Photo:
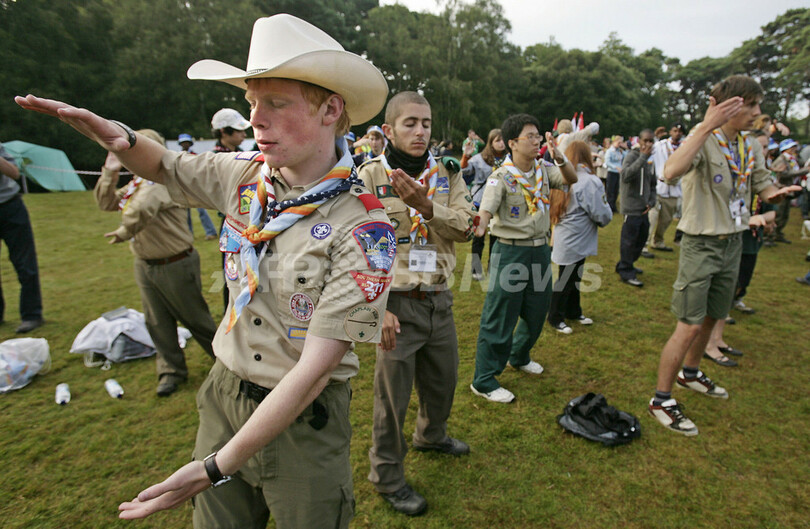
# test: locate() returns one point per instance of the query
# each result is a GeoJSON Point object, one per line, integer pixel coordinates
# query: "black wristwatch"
{"type": "Point", "coordinates": [213, 471]}
{"type": "Point", "coordinates": [130, 133]}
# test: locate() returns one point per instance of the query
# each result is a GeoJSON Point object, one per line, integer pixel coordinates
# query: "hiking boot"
{"type": "Point", "coordinates": [532, 368]}
{"type": "Point", "coordinates": [406, 500]}
{"type": "Point", "coordinates": [450, 446]}
{"type": "Point", "coordinates": [702, 384]}
{"type": "Point", "coordinates": [669, 414]}
{"type": "Point", "coordinates": [563, 328]}
{"type": "Point", "coordinates": [501, 395]}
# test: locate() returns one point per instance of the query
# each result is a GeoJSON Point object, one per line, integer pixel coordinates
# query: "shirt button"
{"type": "Point", "coordinates": [259, 288]}
{"type": "Point", "coordinates": [269, 252]}
{"type": "Point", "coordinates": [302, 280]}
{"type": "Point", "coordinates": [257, 321]}
{"type": "Point", "coordinates": [257, 357]}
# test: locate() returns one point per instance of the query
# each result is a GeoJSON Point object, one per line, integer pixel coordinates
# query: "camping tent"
{"type": "Point", "coordinates": [50, 168]}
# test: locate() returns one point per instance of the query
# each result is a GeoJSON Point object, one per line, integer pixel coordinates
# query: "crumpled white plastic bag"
{"type": "Point", "coordinates": [20, 360]}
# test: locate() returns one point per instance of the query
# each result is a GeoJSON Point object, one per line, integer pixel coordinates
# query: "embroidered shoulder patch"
{"type": "Point", "coordinates": [492, 182]}
{"type": "Point", "coordinates": [246, 193]}
{"type": "Point", "coordinates": [248, 156]}
{"type": "Point", "coordinates": [361, 323]}
{"type": "Point", "coordinates": [371, 286]}
{"type": "Point", "coordinates": [378, 244]}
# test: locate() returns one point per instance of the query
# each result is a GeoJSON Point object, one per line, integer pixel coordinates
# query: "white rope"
{"type": "Point", "coordinates": [56, 170]}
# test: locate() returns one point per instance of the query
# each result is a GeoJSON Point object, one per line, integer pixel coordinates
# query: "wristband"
{"type": "Point", "coordinates": [213, 471]}
{"type": "Point", "coordinates": [130, 133]}
{"type": "Point", "coordinates": [565, 161]}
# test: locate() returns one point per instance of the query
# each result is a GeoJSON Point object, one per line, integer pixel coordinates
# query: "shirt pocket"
{"type": "Point", "coordinates": [298, 282]}
{"type": "Point", "coordinates": [515, 208]}
{"type": "Point", "coordinates": [398, 214]}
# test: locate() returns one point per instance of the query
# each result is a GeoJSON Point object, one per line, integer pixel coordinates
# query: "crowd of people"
{"type": "Point", "coordinates": [329, 239]}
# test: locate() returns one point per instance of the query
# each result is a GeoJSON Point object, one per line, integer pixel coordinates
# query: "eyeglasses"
{"type": "Point", "coordinates": [530, 137]}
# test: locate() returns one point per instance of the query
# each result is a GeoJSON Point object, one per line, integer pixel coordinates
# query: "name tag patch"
{"type": "Point", "coordinates": [371, 286]}
{"type": "Point", "coordinates": [378, 243]}
{"type": "Point", "coordinates": [297, 333]}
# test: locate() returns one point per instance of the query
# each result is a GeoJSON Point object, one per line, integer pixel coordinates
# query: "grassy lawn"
{"type": "Point", "coordinates": [70, 466]}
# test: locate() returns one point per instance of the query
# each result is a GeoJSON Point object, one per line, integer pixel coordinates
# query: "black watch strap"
{"type": "Point", "coordinates": [130, 133]}
{"type": "Point", "coordinates": [213, 471]}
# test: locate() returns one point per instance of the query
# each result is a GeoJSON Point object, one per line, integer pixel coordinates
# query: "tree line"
{"type": "Point", "coordinates": [127, 60]}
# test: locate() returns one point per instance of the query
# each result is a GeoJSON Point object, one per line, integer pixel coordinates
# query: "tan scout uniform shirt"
{"type": "Point", "coordinates": [452, 220]}
{"type": "Point", "coordinates": [504, 199]}
{"type": "Point", "coordinates": [708, 187]}
{"type": "Point", "coordinates": [156, 225]}
{"type": "Point", "coordinates": [324, 275]}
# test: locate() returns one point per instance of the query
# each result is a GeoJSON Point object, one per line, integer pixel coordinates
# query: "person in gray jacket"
{"type": "Point", "coordinates": [575, 237]}
{"type": "Point", "coordinates": [637, 189]}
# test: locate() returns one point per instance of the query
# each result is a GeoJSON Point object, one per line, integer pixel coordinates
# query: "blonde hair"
{"type": "Point", "coordinates": [317, 96]}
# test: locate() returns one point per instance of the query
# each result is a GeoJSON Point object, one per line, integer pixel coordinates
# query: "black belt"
{"type": "Point", "coordinates": [258, 393]}
{"type": "Point", "coordinates": [172, 259]}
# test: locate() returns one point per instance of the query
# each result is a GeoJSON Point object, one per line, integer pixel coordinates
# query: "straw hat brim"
{"type": "Point", "coordinates": [362, 87]}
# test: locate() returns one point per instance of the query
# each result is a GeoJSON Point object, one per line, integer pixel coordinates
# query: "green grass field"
{"type": "Point", "coordinates": [70, 466]}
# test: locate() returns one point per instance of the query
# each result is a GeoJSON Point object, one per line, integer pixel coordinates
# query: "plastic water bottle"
{"type": "Point", "coordinates": [113, 388]}
{"type": "Point", "coordinates": [62, 394]}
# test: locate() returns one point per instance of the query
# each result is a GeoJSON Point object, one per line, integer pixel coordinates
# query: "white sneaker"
{"type": "Point", "coordinates": [502, 395]}
{"type": "Point", "coordinates": [563, 328]}
{"type": "Point", "coordinates": [477, 276]}
{"type": "Point", "coordinates": [670, 415]}
{"type": "Point", "coordinates": [532, 368]}
{"type": "Point", "coordinates": [702, 384]}
{"type": "Point", "coordinates": [585, 321]}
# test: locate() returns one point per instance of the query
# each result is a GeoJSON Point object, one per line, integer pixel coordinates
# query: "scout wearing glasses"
{"type": "Point", "coordinates": [309, 256]}
{"type": "Point", "coordinates": [516, 196]}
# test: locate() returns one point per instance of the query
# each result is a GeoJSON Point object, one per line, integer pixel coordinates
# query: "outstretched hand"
{"type": "Point", "coordinates": [107, 134]}
{"type": "Point", "coordinates": [189, 481]}
{"type": "Point", "coordinates": [717, 115]}
{"type": "Point", "coordinates": [412, 193]}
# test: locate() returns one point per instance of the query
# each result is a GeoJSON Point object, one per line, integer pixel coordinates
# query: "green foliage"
{"type": "Point", "coordinates": [126, 59]}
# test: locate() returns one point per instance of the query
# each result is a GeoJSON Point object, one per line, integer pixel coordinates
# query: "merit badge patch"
{"type": "Point", "coordinates": [321, 231]}
{"type": "Point", "coordinates": [514, 212]}
{"type": "Point", "coordinates": [246, 194]}
{"type": "Point", "coordinates": [378, 243]}
{"type": "Point", "coordinates": [361, 323]}
{"type": "Point", "coordinates": [301, 307]}
{"type": "Point", "coordinates": [231, 269]}
{"type": "Point", "coordinates": [718, 178]}
{"type": "Point", "coordinates": [371, 286]}
{"type": "Point", "coordinates": [297, 333]}
{"type": "Point", "coordinates": [442, 185]}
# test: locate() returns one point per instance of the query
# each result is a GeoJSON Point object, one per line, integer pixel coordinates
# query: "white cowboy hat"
{"type": "Point", "coordinates": [287, 47]}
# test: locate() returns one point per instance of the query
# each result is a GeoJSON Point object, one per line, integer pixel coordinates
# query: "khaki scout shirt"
{"type": "Point", "coordinates": [708, 187]}
{"type": "Point", "coordinates": [452, 221]}
{"type": "Point", "coordinates": [504, 199]}
{"type": "Point", "coordinates": [327, 274]}
{"type": "Point", "coordinates": [155, 225]}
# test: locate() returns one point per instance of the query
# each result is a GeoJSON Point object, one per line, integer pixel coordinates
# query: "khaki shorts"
{"type": "Point", "coordinates": [707, 276]}
{"type": "Point", "coordinates": [303, 477]}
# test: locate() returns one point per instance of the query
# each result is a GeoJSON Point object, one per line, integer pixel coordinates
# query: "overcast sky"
{"type": "Point", "coordinates": [687, 29]}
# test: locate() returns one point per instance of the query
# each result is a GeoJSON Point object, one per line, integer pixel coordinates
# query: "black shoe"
{"type": "Point", "coordinates": [730, 351]}
{"type": "Point", "coordinates": [730, 321]}
{"type": "Point", "coordinates": [638, 271]}
{"type": "Point", "coordinates": [406, 500]}
{"type": "Point", "coordinates": [647, 255]}
{"type": "Point", "coordinates": [782, 240]}
{"type": "Point", "coordinates": [634, 282]}
{"type": "Point", "coordinates": [450, 446]}
{"type": "Point", "coordinates": [662, 248]}
{"type": "Point", "coordinates": [807, 257]}
{"type": "Point", "coordinates": [167, 386]}
{"type": "Point", "coordinates": [29, 325]}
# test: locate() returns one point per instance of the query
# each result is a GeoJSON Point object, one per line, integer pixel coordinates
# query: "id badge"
{"type": "Point", "coordinates": [737, 208]}
{"type": "Point", "coordinates": [422, 259]}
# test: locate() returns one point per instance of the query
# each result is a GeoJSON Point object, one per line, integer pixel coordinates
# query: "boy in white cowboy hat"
{"type": "Point", "coordinates": [274, 429]}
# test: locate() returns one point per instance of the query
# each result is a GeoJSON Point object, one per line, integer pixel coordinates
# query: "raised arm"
{"type": "Point", "coordinates": [716, 116]}
{"type": "Point", "coordinates": [142, 159]}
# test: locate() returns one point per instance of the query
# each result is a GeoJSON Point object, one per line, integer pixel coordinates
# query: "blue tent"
{"type": "Point", "coordinates": [50, 168]}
